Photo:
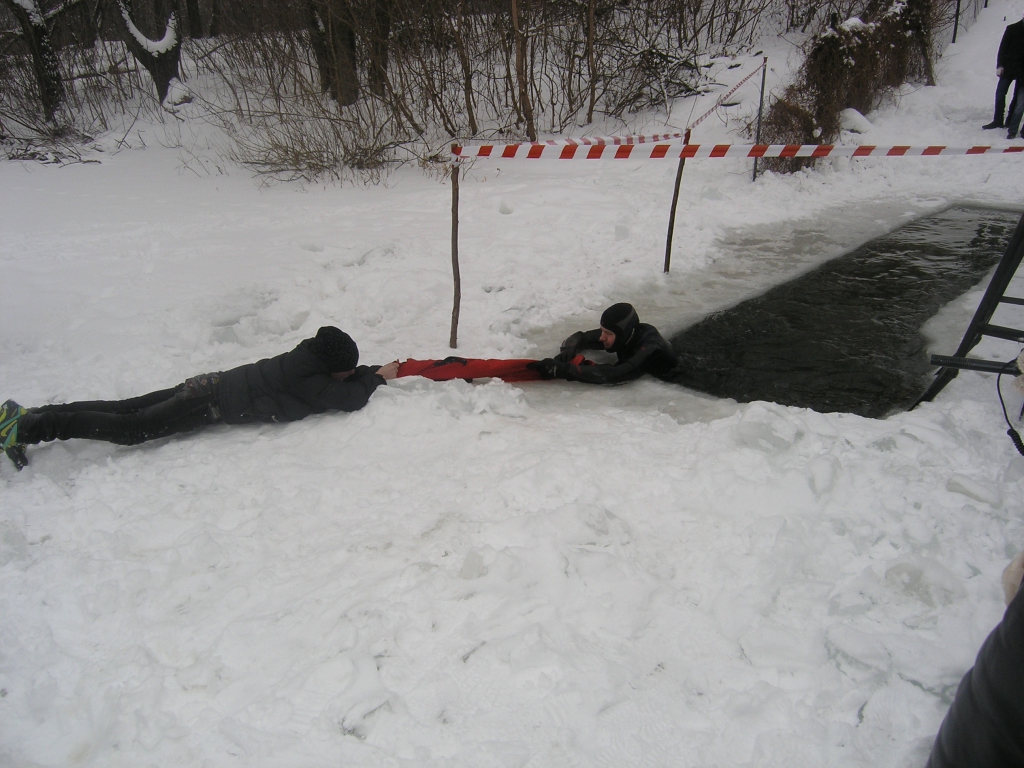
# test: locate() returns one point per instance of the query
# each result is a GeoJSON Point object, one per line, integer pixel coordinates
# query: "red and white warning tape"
{"type": "Point", "coordinates": [721, 99]}
{"type": "Point", "coordinates": [660, 151]}
{"type": "Point", "coordinates": [589, 141]}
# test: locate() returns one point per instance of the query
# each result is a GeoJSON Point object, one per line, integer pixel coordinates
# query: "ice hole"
{"type": "Point", "coordinates": [846, 336]}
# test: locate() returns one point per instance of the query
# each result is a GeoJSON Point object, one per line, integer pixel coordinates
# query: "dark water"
{"type": "Point", "coordinates": [846, 336]}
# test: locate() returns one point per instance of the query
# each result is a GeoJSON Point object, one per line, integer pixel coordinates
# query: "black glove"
{"type": "Point", "coordinates": [549, 368]}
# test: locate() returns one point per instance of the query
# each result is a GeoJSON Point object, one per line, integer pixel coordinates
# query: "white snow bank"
{"type": "Point", "coordinates": [544, 574]}
{"type": "Point", "coordinates": [854, 121]}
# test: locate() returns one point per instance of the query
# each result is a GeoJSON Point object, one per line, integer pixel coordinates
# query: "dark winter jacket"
{"type": "Point", "coordinates": [1011, 51]}
{"type": "Point", "coordinates": [645, 352]}
{"type": "Point", "coordinates": [290, 387]}
{"type": "Point", "coordinates": [984, 727]}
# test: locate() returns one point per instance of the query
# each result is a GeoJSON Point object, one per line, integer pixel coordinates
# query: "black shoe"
{"type": "Point", "coordinates": [992, 125]}
{"type": "Point", "coordinates": [10, 415]}
{"type": "Point", "coordinates": [16, 453]}
{"type": "Point", "coordinates": [1011, 135]}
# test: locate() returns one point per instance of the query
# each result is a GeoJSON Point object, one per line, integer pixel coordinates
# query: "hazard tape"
{"type": "Point", "coordinates": [587, 141]}
{"type": "Point", "coordinates": [661, 151]}
{"type": "Point", "coordinates": [725, 96]}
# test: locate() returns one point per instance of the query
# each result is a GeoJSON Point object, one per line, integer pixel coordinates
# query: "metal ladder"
{"type": "Point", "coordinates": [981, 325]}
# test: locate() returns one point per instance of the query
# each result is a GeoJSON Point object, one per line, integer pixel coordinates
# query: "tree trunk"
{"type": "Point", "coordinates": [159, 57]}
{"type": "Point", "coordinates": [467, 68]}
{"type": "Point", "coordinates": [521, 61]}
{"type": "Point", "coordinates": [590, 59]}
{"type": "Point", "coordinates": [216, 18]}
{"type": "Point", "coordinates": [44, 60]}
{"type": "Point", "coordinates": [378, 45]}
{"type": "Point", "coordinates": [74, 24]}
{"type": "Point", "coordinates": [334, 45]}
{"type": "Point", "coordinates": [194, 27]}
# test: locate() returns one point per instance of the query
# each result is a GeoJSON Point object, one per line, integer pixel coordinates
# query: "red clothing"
{"type": "Point", "coordinates": [462, 368]}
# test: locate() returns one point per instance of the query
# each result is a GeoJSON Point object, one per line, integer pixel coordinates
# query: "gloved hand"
{"type": "Point", "coordinates": [549, 368]}
{"type": "Point", "coordinates": [570, 347]}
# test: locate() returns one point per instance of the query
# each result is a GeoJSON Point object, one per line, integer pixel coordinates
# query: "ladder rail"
{"type": "Point", "coordinates": [994, 295]}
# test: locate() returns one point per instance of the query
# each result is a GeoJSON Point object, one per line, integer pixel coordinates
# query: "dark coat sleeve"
{"type": "Point", "coordinates": [984, 727]}
{"type": "Point", "coordinates": [351, 394]}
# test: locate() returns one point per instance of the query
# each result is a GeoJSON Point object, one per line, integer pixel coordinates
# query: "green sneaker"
{"type": "Point", "coordinates": [10, 414]}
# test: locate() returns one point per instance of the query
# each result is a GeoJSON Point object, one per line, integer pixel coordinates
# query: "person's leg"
{"type": "Point", "coordinates": [130, 405]}
{"type": "Point", "coordinates": [180, 412]}
{"type": "Point", "coordinates": [1013, 124]}
{"type": "Point", "coordinates": [1001, 88]}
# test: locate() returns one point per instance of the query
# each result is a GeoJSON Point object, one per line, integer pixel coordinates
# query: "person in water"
{"type": "Point", "coordinates": [638, 347]}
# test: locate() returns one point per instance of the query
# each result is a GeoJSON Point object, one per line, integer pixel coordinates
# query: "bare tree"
{"type": "Point", "coordinates": [591, 64]}
{"type": "Point", "coordinates": [36, 33]}
{"type": "Point", "coordinates": [522, 79]}
{"type": "Point", "coordinates": [379, 29]}
{"type": "Point", "coordinates": [315, 86]}
{"type": "Point", "coordinates": [334, 43]}
{"type": "Point", "coordinates": [159, 55]}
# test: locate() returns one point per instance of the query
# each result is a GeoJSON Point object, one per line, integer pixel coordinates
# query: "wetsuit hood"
{"type": "Point", "coordinates": [622, 320]}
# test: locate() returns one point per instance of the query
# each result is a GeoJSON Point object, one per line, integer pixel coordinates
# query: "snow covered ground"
{"type": "Point", "coordinates": [491, 574]}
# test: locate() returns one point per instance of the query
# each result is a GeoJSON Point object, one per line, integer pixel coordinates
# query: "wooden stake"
{"type": "Point", "coordinates": [453, 341]}
{"type": "Point", "coordinates": [760, 111]}
{"type": "Point", "coordinates": [675, 202]}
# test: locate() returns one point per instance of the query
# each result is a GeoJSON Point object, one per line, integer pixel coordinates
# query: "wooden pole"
{"type": "Point", "coordinates": [760, 110]}
{"type": "Point", "coordinates": [590, 59]}
{"type": "Point", "coordinates": [453, 341]}
{"type": "Point", "coordinates": [675, 202]}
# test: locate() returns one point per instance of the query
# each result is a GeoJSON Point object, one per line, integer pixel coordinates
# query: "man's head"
{"type": "Point", "coordinates": [335, 348]}
{"type": "Point", "coordinates": [618, 323]}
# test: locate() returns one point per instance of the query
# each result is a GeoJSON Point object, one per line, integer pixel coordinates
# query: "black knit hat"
{"type": "Point", "coordinates": [335, 348]}
{"type": "Point", "coordinates": [622, 320]}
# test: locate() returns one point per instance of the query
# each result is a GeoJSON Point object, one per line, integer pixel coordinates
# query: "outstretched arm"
{"type": "Point", "coordinates": [353, 392]}
{"type": "Point", "coordinates": [386, 372]}
{"type": "Point", "coordinates": [627, 370]}
{"type": "Point", "coordinates": [579, 342]}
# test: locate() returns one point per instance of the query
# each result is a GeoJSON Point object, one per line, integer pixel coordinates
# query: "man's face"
{"type": "Point", "coordinates": [607, 338]}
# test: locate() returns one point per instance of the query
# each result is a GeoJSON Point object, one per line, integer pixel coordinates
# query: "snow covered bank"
{"type": "Point", "coordinates": [532, 575]}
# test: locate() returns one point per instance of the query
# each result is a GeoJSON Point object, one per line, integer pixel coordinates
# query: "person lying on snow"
{"type": "Point", "coordinates": [639, 348]}
{"type": "Point", "coordinates": [320, 374]}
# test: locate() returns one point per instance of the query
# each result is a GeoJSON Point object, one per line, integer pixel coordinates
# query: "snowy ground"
{"type": "Point", "coordinates": [488, 575]}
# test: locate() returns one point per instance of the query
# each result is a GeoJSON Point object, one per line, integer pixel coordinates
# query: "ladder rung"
{"type": "Point", "coordinates": [999, 332]}
{"type": "Point", "coordinates": [1012, 300]}
{"type": "Point", "coordinates": [973, 364]}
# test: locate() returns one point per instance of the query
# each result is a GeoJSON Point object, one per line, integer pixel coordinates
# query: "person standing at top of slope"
{"type": "Point", "coordinates": [320, 374]}
{"type": "Point", "coordinates": [639, 348]}
{"type": "Point", "coordinates": [1009, 68]}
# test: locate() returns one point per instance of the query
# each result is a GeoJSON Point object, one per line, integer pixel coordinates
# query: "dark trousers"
{"type": "Point", "coordinates": [183, 408]}
{"type": "Point", "coordinates": [1001, 90]}
{"type": "Point", "coordinates": [1016, 111]}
